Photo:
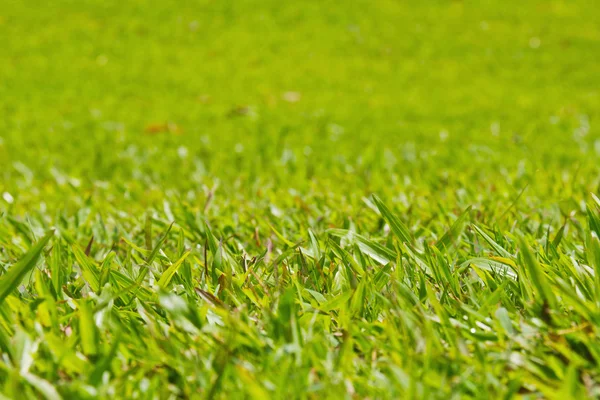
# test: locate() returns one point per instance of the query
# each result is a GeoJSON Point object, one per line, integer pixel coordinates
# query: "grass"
{"type": "Point", "coordinates": [304, 200]}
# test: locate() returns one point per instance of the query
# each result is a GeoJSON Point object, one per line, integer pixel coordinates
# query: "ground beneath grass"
{"type": "Point", "coordinates": [306, 200]}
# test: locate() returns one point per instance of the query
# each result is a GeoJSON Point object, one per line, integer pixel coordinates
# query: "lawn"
{"type": "Point", "coordinates": [310, 199]}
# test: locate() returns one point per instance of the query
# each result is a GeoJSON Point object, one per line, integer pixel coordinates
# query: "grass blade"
{"type": "Point", "coordinates": [159, 245]}
{"type": "Point", "coordinates": [398, 227]}
{"type": "Point", "coordinates": [13, 277]}
{"type": "Point", "coordinates": [170, 272]}
{"type": "Point", "coordinates": [538, 277]}
{"type": "Point", "coordinates": [455, 231]}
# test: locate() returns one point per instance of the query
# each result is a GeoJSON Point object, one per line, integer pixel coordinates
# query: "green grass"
{"type": "Point", "coordinates": [313, 199]}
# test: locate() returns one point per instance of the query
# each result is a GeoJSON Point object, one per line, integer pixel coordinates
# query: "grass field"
{"type": "Point", "coordinates": [309, 199]}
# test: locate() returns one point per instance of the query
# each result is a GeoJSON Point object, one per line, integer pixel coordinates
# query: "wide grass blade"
{"type": "Point", "coordinates": [15, 274]}
{"type": "Point", "coordinates": [170, 272]}
{"type": "Point", "coordinates": [379, 253]}
{"type": "Point", "coordinates": [400, 230]}
{"type": "Point", "coordinates": [502, 252]}
{"type": "Point", "coordinates": [88, 266]}
{"type": "Point", "coordinates": [87, 328]}
{"type": "Point", "coordinates": [537, 276]}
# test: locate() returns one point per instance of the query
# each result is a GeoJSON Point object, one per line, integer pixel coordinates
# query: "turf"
{"type": "Point", "coordinates": [310, 199]}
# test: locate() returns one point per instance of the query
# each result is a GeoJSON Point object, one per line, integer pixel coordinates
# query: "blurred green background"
{"type": "Point", "coordinates": [360, 94]}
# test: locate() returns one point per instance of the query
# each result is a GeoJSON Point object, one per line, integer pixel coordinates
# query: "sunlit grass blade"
{"type": "Point", "coordinates": [168, 274]}
{"type": "Point", "coordinates": [88, 266]}
{"type": "Point", "coordinates": [159, 245]}
{"type": "Point", "coordinates": [491, 265]}
{"type": "Point", "coordinates": [537, 276]}
{"type": "Point", "coordinates": [398, 227]}
{"type": "Point", "coordinates": [502, 252]}
{"type": "Point", "coordinates": [15, 274]}
{"type": "Point", "coordinates": [379, 253]}
{"type": "Point", "coordinates": [43, 386]}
